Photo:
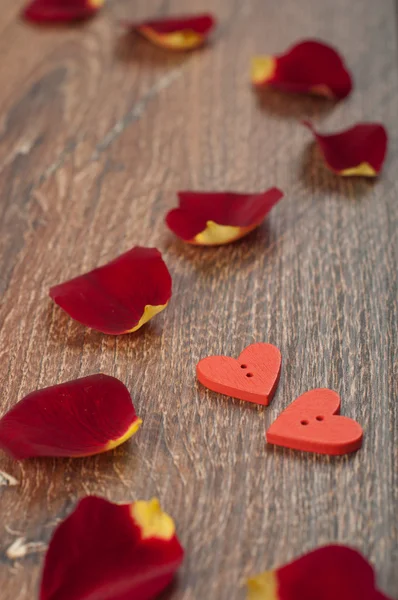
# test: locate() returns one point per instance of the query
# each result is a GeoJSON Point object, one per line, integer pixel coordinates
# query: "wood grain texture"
{"type": "Point", "coordinates": [97, 132]}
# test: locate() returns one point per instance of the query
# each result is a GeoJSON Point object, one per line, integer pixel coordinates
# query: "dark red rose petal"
{"type": "Point", "coordinates": [308, 67]}
{"type": "Point", "coordinates": [106, 551]}
{"type": "Point", "coordinates": [40, 11]}
{"type": "Point", "coordinates": [77, 418]}
{"type": "Point", "coordinates": [360, 150]}
{"type": "Point", "coordinates": [328, 573]}
{"type": "Point", "coordinates": [120, 296]}
{"type": "Point", "coordinates": [197, 23]}
{"type": "Point", "coordinates": [207, 218]}
{"type": "Point", "coordinates": [183, 32]}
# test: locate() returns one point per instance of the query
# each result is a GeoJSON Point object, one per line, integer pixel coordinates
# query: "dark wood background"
{"type": "Point", "coordinates": [97, 132]}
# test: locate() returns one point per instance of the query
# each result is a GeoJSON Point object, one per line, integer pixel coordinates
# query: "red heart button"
{"type": "Point", "coordinates": [254, 376]}
{"type": "Point", "coordinates": [312, 423]}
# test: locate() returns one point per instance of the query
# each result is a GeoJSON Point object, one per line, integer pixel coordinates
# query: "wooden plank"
{"type": "Point", "coordinates": [97, 134]}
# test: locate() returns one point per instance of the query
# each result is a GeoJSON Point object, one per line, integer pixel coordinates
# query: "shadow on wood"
{"type": "Point", "coordinates": [291, 106]}
{"type": "Point", "coordinates": [133, 48]}
{"type": "Point", "coordinates": [315, 175]}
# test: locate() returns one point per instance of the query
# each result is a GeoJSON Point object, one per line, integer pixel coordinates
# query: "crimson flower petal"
{"type": "Point", "coordinates": [176, 33]}
{"type": "Point", "coordinates": [308, 67]}
{"type": "Point", "coordinates": [360, 150]}
{"type": "Point", "coordinates": [106, 551]}
{"type": "Point", "coordinates": [118, 297]}
{"type": "Point", "coordinates": [54, 11]}
{"type": "Point", "coordinates": [77, 418]}
{"type": "Point", "coordinates": [326, 573]}
{"type": "Point", "coordinates": [215, 218]}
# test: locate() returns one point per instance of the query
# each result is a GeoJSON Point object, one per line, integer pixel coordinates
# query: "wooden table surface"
{"type": "Point", "coordinates": [98, 131]}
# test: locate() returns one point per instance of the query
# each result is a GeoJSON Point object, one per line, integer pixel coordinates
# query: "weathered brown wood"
{"type": "Point", "coordinates": [97, 133]}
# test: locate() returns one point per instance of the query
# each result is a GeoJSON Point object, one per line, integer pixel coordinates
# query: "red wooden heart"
{"type": "Point", "coordinates": [312, 423]}
{"type": "Point", "coordinates": [254, 376]}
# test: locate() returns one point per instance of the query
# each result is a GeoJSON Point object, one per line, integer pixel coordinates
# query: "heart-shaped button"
{"type": "Point", "coordinates": [254, 376]}
{"type": "Point", "coordinates": [312, 423]}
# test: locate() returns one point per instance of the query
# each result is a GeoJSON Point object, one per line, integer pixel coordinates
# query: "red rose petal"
{"type": "Point", "coordinates": [360, 150]}
{"type": "Point", "coordinates": [77, 418]}
{"type": "Point", "coordinates": [40, 11]}
{"type": "Point", "coordinates": [177, 33]}
{"type": "Point", "coordinates": [214, 218]}
{"type": "Point", "coordinates": [118, 297]}
{"type": "Point", "coordinates": [106, 551]}
{"type": "Point", "coordinates": [308, 67]}
{"type": "Point", "coordinates": [327, 573]}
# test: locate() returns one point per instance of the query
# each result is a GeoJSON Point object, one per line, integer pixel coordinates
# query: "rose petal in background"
{"type": "Point", "coordinates": [78, 418]}
{"type": "Point", "coordinates": [59, 11]}
{"type": "Point", "coordinates": [310, 67]}
{"type": "Point", "coordinates": [106, 551]}
{"type": "Point", "coordinates": [327, 573]}
{"type": "Point", "coordinates": [176, 33]}
{"type": "Point", "coordinates": [359, 150]}
{"type": "Point", "coordinates": [120, 296]}
{"type": "Point", "coordinates": [215, 218]}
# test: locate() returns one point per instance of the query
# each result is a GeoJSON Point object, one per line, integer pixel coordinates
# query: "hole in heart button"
{"type": "Point", "coordinates": [249, 374]}
{"type": "Point", "coordinates": [304, 422]}
{"type": "Point", "coordinates": [319, 418]}
{"type": "Point", "coordinates": [243, 366]}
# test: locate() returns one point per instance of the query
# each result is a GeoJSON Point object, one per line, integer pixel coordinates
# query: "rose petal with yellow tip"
{"type": "Point", "coordinates": [120, 296]}
{"type": "Point", "coordinates": [60, 11]}
{"type": "Point", "coordinates": [217, 218]}
{"type": "Point", "coordinates": [105, 551]}
{"type": "Point", "coordinates": [184, 32]}
{"type": "Point", "coordinates": [152, 521]}
{"type": "Point", "coordinates": [326, 573]}
{"type": "Point", "coordinates": [310, 67]}
{"type": "Point", "coordinates": [263, 69]}
{"type": "Point", "coordinates": [357, 151]}
{"type": "Point", "coordinates": [263, 587]}
{"type": "Point", "coordinates": [78, 418]}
